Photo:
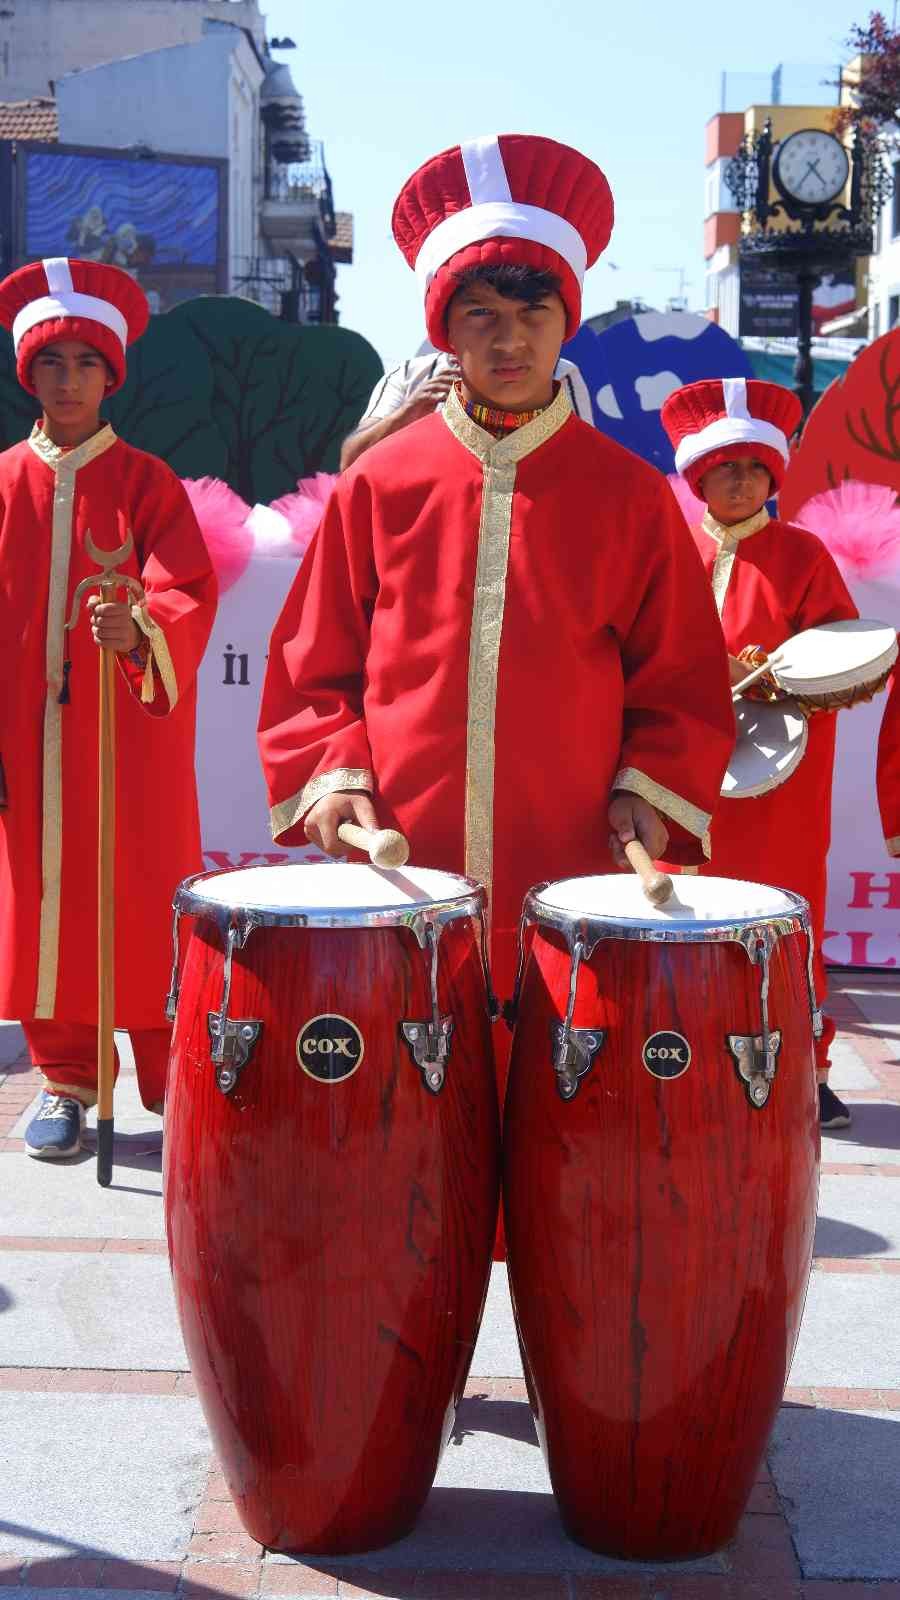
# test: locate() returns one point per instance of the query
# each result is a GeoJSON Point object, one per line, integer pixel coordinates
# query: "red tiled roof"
{"type": "Point", "coordinates": [341, 246]}
{"type": "Point", "coordinates": [29, 119]}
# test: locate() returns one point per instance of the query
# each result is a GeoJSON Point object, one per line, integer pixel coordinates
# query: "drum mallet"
{"type": "Point", "coordinates": [385, 847]}
{"type": "Point", "coordinates": [657, 886]}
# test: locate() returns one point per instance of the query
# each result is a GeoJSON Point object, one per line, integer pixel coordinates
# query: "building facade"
{"type": "Point", "coordinates": [193, 79]}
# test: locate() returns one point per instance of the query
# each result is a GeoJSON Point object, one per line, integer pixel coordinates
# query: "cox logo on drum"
{"type": "Point", "coordinates": [330, 1048]}
{"type": "Point", "coordinates": [666, 1055]}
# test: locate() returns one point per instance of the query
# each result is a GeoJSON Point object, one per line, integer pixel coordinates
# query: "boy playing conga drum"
{"type": "Point", "coordinates": [486, 644]}
{"type": "Point", "coordinates": [770, 580]}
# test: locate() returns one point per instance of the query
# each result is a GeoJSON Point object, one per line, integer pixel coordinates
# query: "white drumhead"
{"type": "Point", "coordinates": [620, 898]}
{"type": "Point", "coordinates": [330, 886]}
{"type": "Point", "coordinates": [836, 656]}
{"type": "Point", "coordinates": [771, 741]}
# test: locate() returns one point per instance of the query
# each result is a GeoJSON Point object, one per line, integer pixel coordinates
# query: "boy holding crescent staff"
{"type": "Point", "coordinates": [73, 495]}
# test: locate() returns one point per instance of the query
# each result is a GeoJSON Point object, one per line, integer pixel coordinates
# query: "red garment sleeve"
{"type": "Point", "coordinates": [180, 591]}
{"type": "Point", "coordinates": [826, 597]}
{"type": "Point", "coordinates": [312, 736]}
{"type": "Point", "coordinates": [678, 728]}
{"type": "Point", "coordinates": [888, 768]}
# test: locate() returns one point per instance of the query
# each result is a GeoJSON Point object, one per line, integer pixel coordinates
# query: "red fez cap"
{"type": "Point", "coordinates": [507, 199]}
{"type": "Point", "coordinates": [63, 298]}
{"type": "Point", "coordinates": [719, 418]}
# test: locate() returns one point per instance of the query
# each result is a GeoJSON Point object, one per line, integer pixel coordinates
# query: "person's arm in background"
{"type": "Point", "coordinates": [394, 405]}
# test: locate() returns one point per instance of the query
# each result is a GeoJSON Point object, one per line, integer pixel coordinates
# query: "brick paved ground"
{"type": "Point", "coordinates": [109, 1483]}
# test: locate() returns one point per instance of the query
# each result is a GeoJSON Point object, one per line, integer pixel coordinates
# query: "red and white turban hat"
{"type": "Point", "coordinates": [509, 198]}
{"type": "Point", "coordinates": [721, 418]}
{"type": "Point", "coordinates": [62, 298]}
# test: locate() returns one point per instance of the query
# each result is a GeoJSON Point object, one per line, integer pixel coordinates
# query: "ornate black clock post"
{"type": "Point", "coordinates": [810, 171]}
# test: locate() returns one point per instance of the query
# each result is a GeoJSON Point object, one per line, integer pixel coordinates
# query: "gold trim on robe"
{"type": "Point", "coordinates": [728, 539]}
{"type": "Point", "coordinates": [64, 464]}
{"type": "Point", "coordinates": [160, 655]}
{"type": "Point", "coordinates": [499, 458]}
{"type": "Point", "coordinates": [286, 813]}
{"type": "Point", "coordinates": [672, 805]}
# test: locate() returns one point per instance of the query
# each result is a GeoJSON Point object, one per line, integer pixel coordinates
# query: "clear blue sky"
{"type": "Point", "coordinates": [387, 85]}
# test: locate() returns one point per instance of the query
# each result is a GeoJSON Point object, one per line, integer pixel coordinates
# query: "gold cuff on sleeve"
{"type": "Point", "coordinates": [159, 655]}
{"type": "Point", "coordinates": [681, 811]}
{"type": "Point", "coordinates": [286, 813]}
{"type": "Point", "coordinates": [893, 845]}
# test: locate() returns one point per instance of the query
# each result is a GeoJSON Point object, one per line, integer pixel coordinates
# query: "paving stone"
{"type": "Point", "coordinates": [878, 1004]}
{"type": "Point", "coordinates": [873, 1137]}
{"type": "Point", "coordinates": [848, 1070]}
{"type": "Point", "coordinates": [12, 1043]}
{"type": "Point", "coordinates": [858, 1217]}
{"type": "Point", "coordinates": [88, 1310]}
{"type": "Point", "coordinates": [837, 1474]}
{"type": "Point", "coordinates": [497, 1350]}
{"type": "Point", "coordinates": [55, 1199]}
{"type": "Point", "coordinates": [848, 1333]}
{"type": "Point", "coordinates": [100, 1474]}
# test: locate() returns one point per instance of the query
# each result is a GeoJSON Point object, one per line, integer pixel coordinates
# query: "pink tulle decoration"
{"type": "Point", "coordinates": [860, 524]}
{"type": "Point", "coordinates": [303, 509]}
{"type": "Point", "coordinates": [222, 516]}
{"type": "Point", "coordinates": [693, 510]}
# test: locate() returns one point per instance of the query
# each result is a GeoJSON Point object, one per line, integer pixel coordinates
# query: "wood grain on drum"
{"type": "Point", "coordinates": [659, 1233]}
{"type": "Point", "coordinates": [330, 1241]}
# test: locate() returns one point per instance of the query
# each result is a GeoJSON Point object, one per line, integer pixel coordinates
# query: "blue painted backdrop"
{"type": "Point", "coordinates": [632, 367]}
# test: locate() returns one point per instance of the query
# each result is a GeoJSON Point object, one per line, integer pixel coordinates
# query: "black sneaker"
{"type": "Point", "coordinates": [832, 1111]}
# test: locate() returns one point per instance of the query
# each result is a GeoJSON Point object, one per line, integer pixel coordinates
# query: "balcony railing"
{"type": "Point", "coordinates": [299, 182]}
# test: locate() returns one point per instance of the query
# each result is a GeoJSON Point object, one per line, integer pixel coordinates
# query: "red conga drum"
{"type": "Point", "coordinates": [331, 1185]}
{"type": "Point", "coordinates": [661, 1149]}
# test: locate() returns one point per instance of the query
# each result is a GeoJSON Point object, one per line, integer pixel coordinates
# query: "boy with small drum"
{"type": "Point", "coordinates": [770, 580]}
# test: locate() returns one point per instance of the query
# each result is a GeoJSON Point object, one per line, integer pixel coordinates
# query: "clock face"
{"type": "Point", "coordinates": [811, 166]}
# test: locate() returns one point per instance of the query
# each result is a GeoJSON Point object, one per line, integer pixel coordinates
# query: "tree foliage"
{"type": "Point", "coordinates": [877, 95]}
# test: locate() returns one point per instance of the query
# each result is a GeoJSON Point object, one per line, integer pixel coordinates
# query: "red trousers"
{"type": "Point", "coordinates": [66, 1053]}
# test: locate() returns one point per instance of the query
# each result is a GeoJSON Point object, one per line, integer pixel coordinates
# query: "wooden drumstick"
{"type": "Point", "coordinates": [384, 846]}
{"type": "Point", "coordinates": [760, 672]}
{"type": "Point", "coordinates": [657, 886]}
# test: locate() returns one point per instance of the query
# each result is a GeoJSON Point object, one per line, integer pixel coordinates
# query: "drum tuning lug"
{"type": "Point", "coordinates": [233, 1043]}
{"type": "Point", "coordinates": [756, 1066]}
{"type": "Point", "coordinates": [574, 1051]}
{"type": "Point", "coordinates": [429, 1046]}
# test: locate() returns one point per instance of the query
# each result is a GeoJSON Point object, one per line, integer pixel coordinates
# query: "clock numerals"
{"type": "Point", "coordinates": [812, 167]}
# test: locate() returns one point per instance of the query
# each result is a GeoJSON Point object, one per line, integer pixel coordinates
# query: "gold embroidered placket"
{"type": "Point", "coordinates": [499, 458]}
{"type": "Point", "coordinates": [728, 539]}
{"type": "Point", "coordinates": [64, 465]}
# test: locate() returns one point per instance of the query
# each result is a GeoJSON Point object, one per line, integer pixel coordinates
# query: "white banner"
{"type": "Point", "coordinates": [234, 809]}
{"type": "Point", "coordinates": [862, 921]}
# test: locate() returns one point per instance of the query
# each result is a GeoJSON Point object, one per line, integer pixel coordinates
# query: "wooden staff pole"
{"type": "Point", "coordinates": [106, 904]}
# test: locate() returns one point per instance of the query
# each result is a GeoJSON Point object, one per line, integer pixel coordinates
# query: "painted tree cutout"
{"type": "Point", "coordinates": [853, 432]}
{"type": "Point", "coordinates": [284, 396]}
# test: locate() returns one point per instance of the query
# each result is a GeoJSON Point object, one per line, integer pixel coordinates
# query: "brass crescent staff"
{"type": "Point", "coordinates": [108, 580]}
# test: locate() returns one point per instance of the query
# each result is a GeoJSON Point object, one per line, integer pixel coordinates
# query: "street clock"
{"type": "Point", "coordinates": [811, 167]}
